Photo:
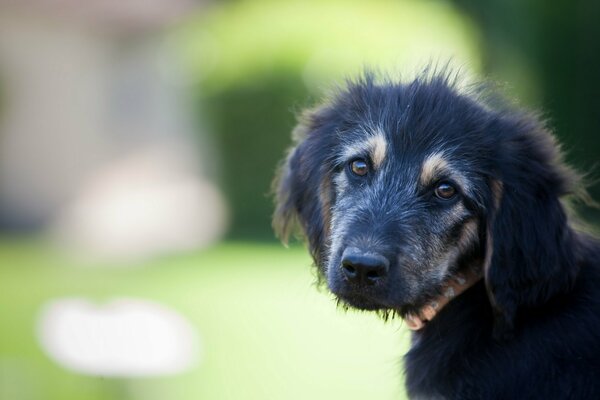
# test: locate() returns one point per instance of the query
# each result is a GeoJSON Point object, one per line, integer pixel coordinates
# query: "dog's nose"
{"type": "Point", "coordinates": [365, 268]}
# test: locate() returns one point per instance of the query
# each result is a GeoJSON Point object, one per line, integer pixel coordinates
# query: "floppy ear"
{"type": "Point", "coordinates": [530, 246]}
{"type": "Point", "coordinates": [302, 187]}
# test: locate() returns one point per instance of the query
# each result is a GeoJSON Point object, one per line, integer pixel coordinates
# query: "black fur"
{"type": "Point", "coordinates": [531, 327]}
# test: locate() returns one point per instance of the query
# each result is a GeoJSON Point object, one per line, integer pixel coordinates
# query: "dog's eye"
{"type": "Point", "coordinates": [359, 167]}
{"type": "Point", "coordinates": [445, 191]}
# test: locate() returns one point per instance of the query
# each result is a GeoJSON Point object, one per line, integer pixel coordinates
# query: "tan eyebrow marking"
{"type": "Point", "coordinates": [375, 145]}
{"type": "Point", "coordinates": [436, 165]}
{"type": "Point", "coordinates": [432, 166]}
{"type": "Point", "coordinates": [378, 149]}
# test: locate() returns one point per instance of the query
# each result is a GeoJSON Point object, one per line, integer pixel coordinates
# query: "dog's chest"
{"type": "Point", "coordinates": [448, 356]}
{"type": "Point", "coordinates": [436, 370]}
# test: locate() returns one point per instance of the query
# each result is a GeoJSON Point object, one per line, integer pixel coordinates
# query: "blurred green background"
{"type": "Point", "coordinates": [138, 141]}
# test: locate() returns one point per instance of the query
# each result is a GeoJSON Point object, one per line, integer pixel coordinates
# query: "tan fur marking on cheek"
{"type": "Point", "coordinates": [431, 166]}
{"type": "Point", "coordinates": [489, 249]}
{"type": "Point", "coordinates": [469, 235]}
{"type": "Point", "coordinates": [497, 189]}
{"type": "Point", "coordinates": [378, 148]}
{"type": "Point", "coordinates": [457, 211]}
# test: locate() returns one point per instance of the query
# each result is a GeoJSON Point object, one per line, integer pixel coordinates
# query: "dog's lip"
{"type": "Point", "coordinates": [362, 302]}
{"type": "Point", "coordinates": [366, 302]}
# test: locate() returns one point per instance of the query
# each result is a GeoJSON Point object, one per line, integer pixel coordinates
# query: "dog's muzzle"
{"type": "Point", "coordinates": [453, 287]}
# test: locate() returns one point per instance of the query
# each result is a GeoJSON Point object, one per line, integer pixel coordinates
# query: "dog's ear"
{"type": "Point", "coordinates": [302, 187]}
{"type": "Point", "coordinates": [530, 253]}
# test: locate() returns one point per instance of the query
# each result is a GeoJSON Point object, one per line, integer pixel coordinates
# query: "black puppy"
{"type": "Point", "coordinates": [444, 208]}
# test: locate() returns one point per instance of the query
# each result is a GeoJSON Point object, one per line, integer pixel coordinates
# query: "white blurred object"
{"type": "Point", "coordinates": [142, 206]}
{"type": "Point", "coordinates": [123, 338]}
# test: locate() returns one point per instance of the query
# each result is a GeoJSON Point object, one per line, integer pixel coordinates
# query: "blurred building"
{"type": "Point", "coordinates": [96, 137]}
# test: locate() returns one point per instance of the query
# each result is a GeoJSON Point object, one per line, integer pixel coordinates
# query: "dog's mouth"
{"type": "Point", "coordinates": [363, 303]}
{"type": "Point", "coordinates": [366, 302]}
{"type": "Point", "coordinates": [418, 313]}
{"type": "Point", "coordinates": [359, 302]}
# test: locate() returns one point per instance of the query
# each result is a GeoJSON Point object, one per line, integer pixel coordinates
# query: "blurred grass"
{"type": "Point", "coordinates": [266, 332]}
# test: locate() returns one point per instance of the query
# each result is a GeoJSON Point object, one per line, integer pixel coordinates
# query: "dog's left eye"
{"type": "Point", "coordinates": [445, 191]}
{"type": "Point", "coordinates": [359, 167]}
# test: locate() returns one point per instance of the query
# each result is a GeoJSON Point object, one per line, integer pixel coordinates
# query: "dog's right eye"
{"type": "Point", "coordinates": [359, 167]}
{"type": "Point", "coordinates": [445, 191]}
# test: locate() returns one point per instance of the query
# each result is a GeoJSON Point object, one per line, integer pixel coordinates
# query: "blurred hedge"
{"type": "Point", "coordinates": [253, 121]}
{"type": "Point", "coordinates": [549, 52]}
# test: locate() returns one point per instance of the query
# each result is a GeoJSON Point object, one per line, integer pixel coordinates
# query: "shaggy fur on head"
{"type": "Point", "coordinates": [398, 187]}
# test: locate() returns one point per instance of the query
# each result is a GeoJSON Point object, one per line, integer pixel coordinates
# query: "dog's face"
{"type": "Point", "coordinates": [397, 187]}
{"type": "Point", "coordinates": [405, 215]}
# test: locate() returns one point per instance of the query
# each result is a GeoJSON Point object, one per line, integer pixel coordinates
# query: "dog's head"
{"type": "Point", "coordinates": [399, 186]}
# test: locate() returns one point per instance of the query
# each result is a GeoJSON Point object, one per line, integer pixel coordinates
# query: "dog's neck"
{"type": "Point", "coordinates": [454, 286]}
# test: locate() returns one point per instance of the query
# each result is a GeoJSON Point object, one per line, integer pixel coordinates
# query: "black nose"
{"type": "Point", "coordinates": [364, 267]}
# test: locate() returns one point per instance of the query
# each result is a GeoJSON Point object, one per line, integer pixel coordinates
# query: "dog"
{"type": "Point", "coordinates": [443, 205]}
